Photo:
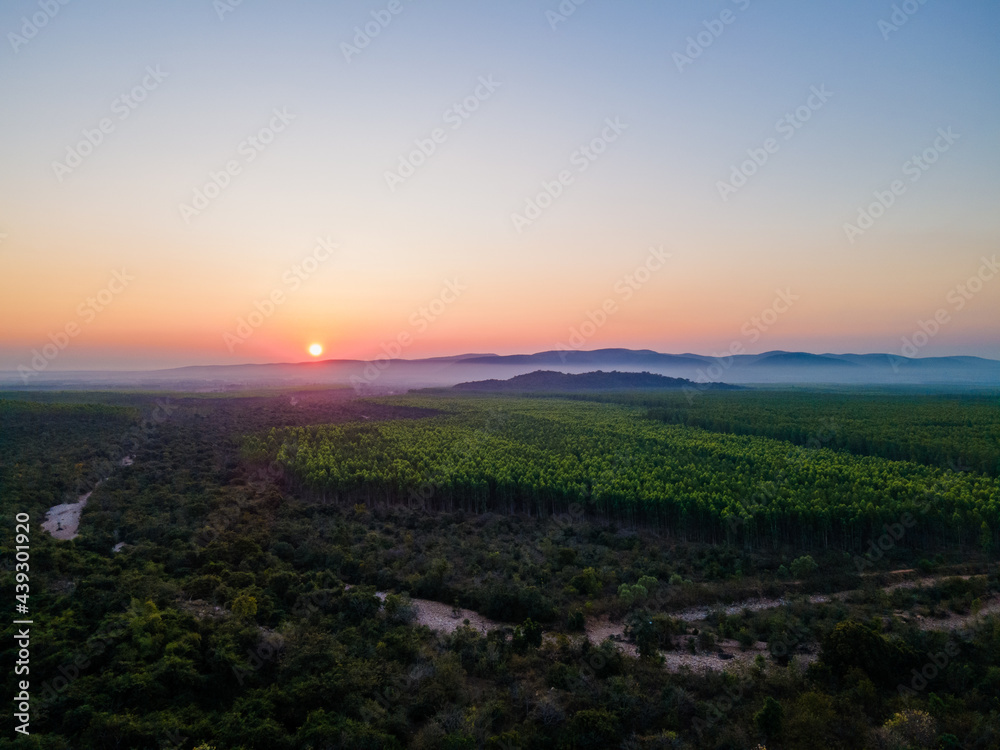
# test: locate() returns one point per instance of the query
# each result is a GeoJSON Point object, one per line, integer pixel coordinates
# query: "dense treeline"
{"type": "Point", "coordinates": [961, 433]}
{"type": "Point", "coordinates": [545, 457]}
{"type": "Point", "coordinates": [225, 622]}
{"type": "Point", "coordinates": [59, 450]}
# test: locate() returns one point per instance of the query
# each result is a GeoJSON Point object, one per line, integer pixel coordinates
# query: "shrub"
{"type": "Point", "coordinates": [854, 644]}
{"type": "Point", "coordinates": [803, 567]}
{"type": "Point", "coordinates": [769, 718]}
{"type": "Point", "coordinates": [528, 635]}
{"type": "Point", "coordinates": [745, 639]}
{"type": "Point", "coordinates": [909, 729]}
{"type": "Point", "coordinates": [203, 587]}
{"type": "Point", "coordinates": [587, 582]}
{"type": "Point", "coordinates": [637, 592]}
{"type": "Point", "coordinates": [593, 728]}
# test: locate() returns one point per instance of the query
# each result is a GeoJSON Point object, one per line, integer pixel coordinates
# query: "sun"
{"type": "Point", "coordinates": [315, 349]}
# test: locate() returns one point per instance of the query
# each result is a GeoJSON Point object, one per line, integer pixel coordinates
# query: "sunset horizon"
{"type": "Point", "coordinates": [214, 205]}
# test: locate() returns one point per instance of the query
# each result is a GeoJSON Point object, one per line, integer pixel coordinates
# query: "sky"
{"type": "Point", "coordinates": [201, 182]}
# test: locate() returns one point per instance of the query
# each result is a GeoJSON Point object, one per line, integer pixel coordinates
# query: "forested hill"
{"type": "Point", "coordinates": [548, 380]}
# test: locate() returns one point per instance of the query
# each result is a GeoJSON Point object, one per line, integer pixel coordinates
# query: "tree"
{"type": "Point", "coordinates": [637, 592]}
{"type": "Point", "coordinates": [587, 582]}
{"type": "Point", "coordinates": [527, 635]}
{"type": "Point", "coordinates": [769, 719]}
{"type": "Point", "coordinates": [909, 729]}
{"type": "Point", "coordinates": [803, 567]}
{"type": "Point", "coordinates": [854, 644]}
{"type": "Point", "coordinates": [593, 728]}
{"type": "Point", "coordinates": [245, 607]}
{"type": "Point", "coordinates": [985, 538]}
{"type": "Point", "coordinates": [810, 716]}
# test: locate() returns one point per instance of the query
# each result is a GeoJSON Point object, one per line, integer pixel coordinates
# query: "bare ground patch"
{"type": "Point", "coordinates": [438, 616]}
{"type": "Point", "coordinates": [62, 521]}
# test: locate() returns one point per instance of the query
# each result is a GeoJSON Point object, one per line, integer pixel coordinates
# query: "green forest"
{"type": "Point", "coordinates": [958, 432]}
{"type": "Point", "coordinates": [542, 457]}
{"type": "Point", "coordinates": [277, 552]}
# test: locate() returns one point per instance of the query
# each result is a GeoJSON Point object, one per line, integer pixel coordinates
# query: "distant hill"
{"type": "Point", "coordinates": [394, 375]}
{"type": "Point", "coordinates": [572, 357]}
{"type": "Point", "coordinates": [799, 359]}
{"type": "Point", "coordinates": [547, 380]}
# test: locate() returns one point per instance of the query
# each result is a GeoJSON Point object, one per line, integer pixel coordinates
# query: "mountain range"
{"type": "Point", "coordinates": [774, 367]}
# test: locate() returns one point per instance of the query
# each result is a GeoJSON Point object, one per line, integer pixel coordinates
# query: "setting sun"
{"type": "Point", "coordinates": [315, 349]}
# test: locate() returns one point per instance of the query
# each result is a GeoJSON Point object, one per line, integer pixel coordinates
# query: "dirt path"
{"type": "Point", "coordinates": [953, 621]}
{"type": "Point", "coordinates": [917, 583]}
{"type": "Point", "coordinates": [438, 616]}
{"type": "Point", "coordinates": [63, 521]}
{"type": "Point", "coordinates": [714, 662]}
{"type": "Point", "coordinates": [725, 655]}
{"type": "Point", "coordinates": [599, 630]}
{"type": "Point", "coordinates": [441, 617]}
{"type": "Point", "coordinates": [694, 614]}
